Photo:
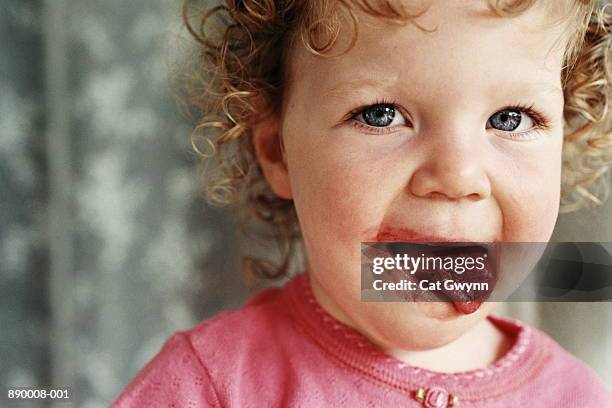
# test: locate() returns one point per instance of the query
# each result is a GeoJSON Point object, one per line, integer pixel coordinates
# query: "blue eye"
{"type": "Point", "coordinates": [380, 115]}
{"type": "Point", "coordinates": [510, 120]}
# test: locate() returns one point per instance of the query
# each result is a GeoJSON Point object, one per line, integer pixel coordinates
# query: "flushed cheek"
{"type": "Point", "coordinates": [344, 185]}
{"type": "Point", "coordinates": [342, 200]}
{"type": "Point", "coordinates": [530, 206]}
{"type": "Point", "coordinates": [526, 182]}
{"type": "Point", "coordinates": [333, 203]}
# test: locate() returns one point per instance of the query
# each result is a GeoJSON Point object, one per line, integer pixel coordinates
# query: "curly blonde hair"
{"type": "Point", "coordinates": [244, 48]}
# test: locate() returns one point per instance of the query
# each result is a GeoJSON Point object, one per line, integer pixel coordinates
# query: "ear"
{"type": "Point", "coordinates": [270, 152]}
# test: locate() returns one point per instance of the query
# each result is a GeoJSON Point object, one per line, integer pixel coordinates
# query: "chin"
{"type": "Point", "coordinates": [418, 326]}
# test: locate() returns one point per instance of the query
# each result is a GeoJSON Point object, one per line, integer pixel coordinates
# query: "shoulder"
{"type": "Point", "coordinates": [260, 314]}
{"type": "Point", "coordinates": [245, 335]}
{"type": "Point", "coordinates": [261, 311]}
{"type": "Point", "coordinates": [183, 370]}
{"type": "Point", "coordinates": [174, 377]}
{"type": "Point", "coordinates": [570, 380]}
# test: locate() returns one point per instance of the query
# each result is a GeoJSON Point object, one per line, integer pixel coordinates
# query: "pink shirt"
{"type": "Point", "coordinates": [281, 349]}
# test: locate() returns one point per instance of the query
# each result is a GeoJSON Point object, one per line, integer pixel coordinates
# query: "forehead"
{"type": "Point", "coordinates": [462, 43]}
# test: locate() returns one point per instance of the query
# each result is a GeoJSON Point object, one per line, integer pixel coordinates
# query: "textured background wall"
{"type": "Point", "coordinates": [105, 245]}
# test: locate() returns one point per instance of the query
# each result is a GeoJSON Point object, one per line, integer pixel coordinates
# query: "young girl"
{"type": "Point", "coordinates": [341, 122]}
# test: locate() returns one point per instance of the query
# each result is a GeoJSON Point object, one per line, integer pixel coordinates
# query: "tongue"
{"type": "Point", "coordinates": [468, 307]}
{"type": "Point", "coordinates": [464, 302]}
{"type": "Point", "coordinates": [467, 302]}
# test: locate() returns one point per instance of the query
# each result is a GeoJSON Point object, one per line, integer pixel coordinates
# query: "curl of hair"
{"type": "Point", "coordinates": [244, 46]}
{"type": "Point", "coordinates": [587, 150]}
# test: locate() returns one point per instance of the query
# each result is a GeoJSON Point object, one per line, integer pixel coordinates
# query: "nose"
{"type": "Point", "coordinates": [452, 169]}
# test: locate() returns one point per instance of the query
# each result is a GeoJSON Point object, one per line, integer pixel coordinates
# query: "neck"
{"type": "Point", "coordinates": [480, 347]}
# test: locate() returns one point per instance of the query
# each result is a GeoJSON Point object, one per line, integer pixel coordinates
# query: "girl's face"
{"type": "Point", "coordinates": [452, 134]}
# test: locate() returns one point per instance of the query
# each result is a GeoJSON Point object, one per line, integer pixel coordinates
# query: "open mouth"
{"type": "Point", "coordinates": [463, 273]}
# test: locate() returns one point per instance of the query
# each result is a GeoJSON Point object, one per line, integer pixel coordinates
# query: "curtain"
{"type": "Point", "coordinates": [106, 246]}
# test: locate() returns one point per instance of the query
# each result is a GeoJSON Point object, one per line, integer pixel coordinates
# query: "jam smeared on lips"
{"type": "Point", "coordinates": [407, 235]}
{"type": "Point", "coordinates": [400, 242]}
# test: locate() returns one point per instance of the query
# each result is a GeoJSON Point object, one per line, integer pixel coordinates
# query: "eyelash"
{"type": "Point", "coordinates": [361, 125]}
{"type": "Point", "coordinates": [540, 121]}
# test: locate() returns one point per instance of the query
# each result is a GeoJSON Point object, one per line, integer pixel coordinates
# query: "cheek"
{"type": "Point", "coordinates": [529, 197]}
{"type": "Point", "coordinates": [336, 199]}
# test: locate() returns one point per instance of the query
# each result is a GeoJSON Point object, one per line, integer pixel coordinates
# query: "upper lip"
{"type": "Point", "coordinates": [395, 234]}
